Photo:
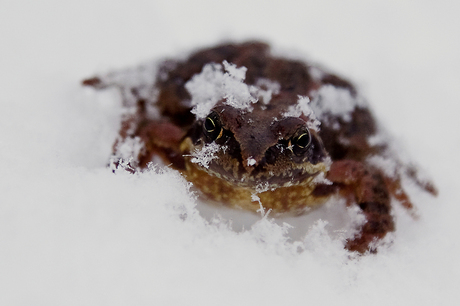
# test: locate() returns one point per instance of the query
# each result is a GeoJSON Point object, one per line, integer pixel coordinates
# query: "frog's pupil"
{"type": "Point", "coordinates": [303, 140]}
{"type": "Point", "coordinates": [209, 125]}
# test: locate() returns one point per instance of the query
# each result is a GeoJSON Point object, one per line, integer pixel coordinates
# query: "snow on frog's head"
{"type": "Point", "coordinates": [225, 82]}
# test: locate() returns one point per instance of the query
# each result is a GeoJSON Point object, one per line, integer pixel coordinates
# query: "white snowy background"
{"type": "Point", "coordinates": [73, 233]}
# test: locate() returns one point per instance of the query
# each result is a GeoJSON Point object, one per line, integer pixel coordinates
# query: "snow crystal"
{"type": "Point", "coordinates": [206, 154]}
{"type": "Point", "coordinates": [238, 74]}
{"type": "Point", "coordinates": [266, 231]}
{"type": "Point", "coordinates": [263, 212]}
{"type": "Point", "coordinates": [317, 236]}
{"type": "Point", "coordinates": [334, 101]}
{"type": "Point", "coordinates": [303, 107]}
{"type": "Point", "coordinates": [262, 187]}
{"type": "Point", "coordinates": [251, 161]}
{"type": "Point", "coordinates": [255, 198]}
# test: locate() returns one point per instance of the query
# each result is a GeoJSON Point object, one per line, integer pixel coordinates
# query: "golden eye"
{"type": "Point", "coordinates": [301, 141]}
{"type": "Point", "coordinates": [209, 125]}
{"type": "Point", "coordinates": [212, 126]}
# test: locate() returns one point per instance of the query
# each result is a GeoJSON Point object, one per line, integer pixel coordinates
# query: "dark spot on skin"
{"type": "Point", "coordinates": [323, 190]}
{"type": "Point", "coordinates": [293, 76]}
{"type": "Point", "coordinates": [375, 207]}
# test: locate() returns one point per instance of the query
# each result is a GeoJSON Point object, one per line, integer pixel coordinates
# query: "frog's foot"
{"type": "Point", "coordinates": [425, 184]}
{"type": "Point", "coordinates": [134, 84]}
{"type": "Point", "coordinates": [378, 223]}
{"type": "Point", "coordinates": [371, 194]}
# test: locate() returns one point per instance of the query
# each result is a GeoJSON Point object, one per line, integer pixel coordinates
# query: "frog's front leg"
{"type": "Point", "coordinates": [366, 186]}
{"type": "Point", "coordinates": [141, 138]}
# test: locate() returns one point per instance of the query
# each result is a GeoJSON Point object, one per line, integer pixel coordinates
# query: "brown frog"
{"type": "Point", "coordinates": [249, 128]}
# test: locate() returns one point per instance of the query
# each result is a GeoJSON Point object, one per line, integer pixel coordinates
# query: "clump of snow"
{"type": "Point", "coordinates": [251, 161]}
{"type": "Point", "coordinates": [129, 147]}
{"type": "Point", "coordinates": [206, 154]}
{"type": "Point", "coordinates": [302, 107]}
{"type": "Point", "coordinates": [266, 88]}
{"type": "Point", "coordinates": [388, 165]}
{"type": "Point", "coordinates": [238, 74]}
{"type": "Point", "coordinates": [335, 102]}
{"type": "Point", "coordinates": [316, 73]}
{"type": "Point", "coordinates": [377, 139]}
{"type": "Point", "coordinates": [321, 179]}
{"type": "Point", "coordinates": [206, 89]}
{"type": "Point", "coordinates": [214, 84]}
{"type": "Point", "coordinates": [225, 82]}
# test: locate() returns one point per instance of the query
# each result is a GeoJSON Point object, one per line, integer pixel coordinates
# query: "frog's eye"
{"type": "Point", "coordinates": [212, 126]}
{"type": "Point", "coordinates": [301, 141]}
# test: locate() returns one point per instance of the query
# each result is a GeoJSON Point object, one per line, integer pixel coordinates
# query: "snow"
{"type": "Point", "coordinates": [74, 233]}
{"type": "Point", "coordinates": [251, 161]}
{"type": "Point", "coordinates": [212, 85]}
{"type": "Point", "coordinates": [206, 154]}
{"type": "Point", "coordinates": [387, 165]}
{"type": "Point", "coordinates": [303, 107]}
{"type": "Point", "coordinates": [325, 103]}
{"type": "Point", "coordinates": [129, 148]}
{"type": "Point", "coordinates": [266, 88]}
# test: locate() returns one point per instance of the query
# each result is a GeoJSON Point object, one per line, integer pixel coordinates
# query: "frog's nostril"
{"type": "Point", "coordinates": [270, 155]}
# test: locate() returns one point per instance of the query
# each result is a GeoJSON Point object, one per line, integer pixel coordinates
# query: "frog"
{"type": "Point", "coordinates": [252, 129]}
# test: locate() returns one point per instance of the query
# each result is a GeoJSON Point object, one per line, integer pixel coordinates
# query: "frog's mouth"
{"type": "Point", "coordinates": [220, 162]}
{"type": "Point", "coordinates": [269, 177]}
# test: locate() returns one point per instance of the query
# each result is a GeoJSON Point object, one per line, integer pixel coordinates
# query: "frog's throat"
{"type": "Point", "coordinates": [294, 199]}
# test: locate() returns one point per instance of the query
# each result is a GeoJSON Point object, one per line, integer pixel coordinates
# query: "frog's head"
{"type": "Point", "coordinates": [253, 148]}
